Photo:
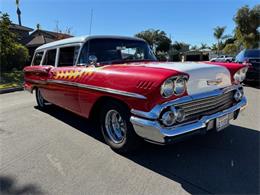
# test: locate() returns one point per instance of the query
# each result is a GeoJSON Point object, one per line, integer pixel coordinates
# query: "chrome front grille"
{"type": "Point", "coordinates": [194, 110]}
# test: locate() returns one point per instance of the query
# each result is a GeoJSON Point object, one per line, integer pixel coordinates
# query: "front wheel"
{"type": "Point", "coordinates": [41, 102]}
{"type": "Point", "coordinates": [117, 129]}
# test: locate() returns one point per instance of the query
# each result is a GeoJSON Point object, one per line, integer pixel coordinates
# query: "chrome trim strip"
{"type": "Point", "coordinates": [152, 130]}
{"type": "Point", "coordinates": [91, 87]}
{"type": "Point", "coordinates": [103, 89]}
{"type": "Point", "coordinates": [154, 113]}
{"type": "Point", "coordinates": [35, 81]}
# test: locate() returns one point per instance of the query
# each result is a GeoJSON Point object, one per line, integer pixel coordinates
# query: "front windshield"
{"type": "Point", "coordinates": [116, 51]}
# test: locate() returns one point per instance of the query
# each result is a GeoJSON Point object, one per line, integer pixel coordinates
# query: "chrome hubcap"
{"type": "Point", "coordinates": [115, 126]}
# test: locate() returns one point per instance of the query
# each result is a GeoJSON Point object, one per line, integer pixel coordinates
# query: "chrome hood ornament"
{"type": "Point", "coordinates": [214, 82]}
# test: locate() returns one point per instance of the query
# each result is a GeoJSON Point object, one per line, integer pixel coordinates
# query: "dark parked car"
{"type": "Point", "coordinates": [250, 56]}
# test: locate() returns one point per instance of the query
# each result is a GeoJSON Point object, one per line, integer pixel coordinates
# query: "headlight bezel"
{"type": "Point", "coordinates": [166, 93]}
{"type": "Point", "coordinates": [240, 75]}
{"type": "Point", "coordinates": [174, 91]}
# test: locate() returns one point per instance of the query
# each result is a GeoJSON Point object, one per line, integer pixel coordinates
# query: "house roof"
{"type": "Point", "coordinates": [18, 27]}
{"type": "Point", "coordinates": [39, 40]}
{"type": "Point", "coordinates": [83, 39]}
{"type": "Point", "coordinates": [54, 34]}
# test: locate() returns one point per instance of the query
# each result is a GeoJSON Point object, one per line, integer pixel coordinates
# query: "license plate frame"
{"type": "Point", "coordinates": [222, 122]}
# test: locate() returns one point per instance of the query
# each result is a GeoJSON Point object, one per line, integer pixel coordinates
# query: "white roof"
{"type": "Point", "coordinates": [81, 39]}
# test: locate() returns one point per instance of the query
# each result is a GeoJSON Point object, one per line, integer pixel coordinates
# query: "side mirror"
{"type": "Point", "coordinates": [92, 59]}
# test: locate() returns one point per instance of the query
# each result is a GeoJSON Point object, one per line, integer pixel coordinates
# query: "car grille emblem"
{"type": "Point", "coordinates": [214, 82]}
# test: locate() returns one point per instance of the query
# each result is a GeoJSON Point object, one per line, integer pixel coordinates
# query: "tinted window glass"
{"type": "Point", "coordinates": [37, 58]}
{"type": "Point", "coordinates": [113, 50]}
{"type": "Point", "coordinates": [68, 56]}
{"type": "Point", "coordinates": [240, 57]}
{"type": "Point", "coordinates": [49, 58]}
{"type": "Point", "coordinates": [252, 53]}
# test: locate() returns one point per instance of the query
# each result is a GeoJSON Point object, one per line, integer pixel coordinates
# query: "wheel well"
{"type": "Point", "coordinates": [101, 101]}
{"type": "Point", "coordinates": [34, 88]}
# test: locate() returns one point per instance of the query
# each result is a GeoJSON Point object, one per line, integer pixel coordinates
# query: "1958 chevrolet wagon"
{"type": "Point", "coordinates": [118, 81]}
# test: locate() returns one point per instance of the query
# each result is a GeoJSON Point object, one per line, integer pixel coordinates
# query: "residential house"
{"type": "Point", "coordinates": [22, 32]}
{"type": "Point", "coordinates": [40, 37]}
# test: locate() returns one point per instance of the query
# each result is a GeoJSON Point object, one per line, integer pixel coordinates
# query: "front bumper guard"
{"type": "Point", "coordinates": [152, 131]}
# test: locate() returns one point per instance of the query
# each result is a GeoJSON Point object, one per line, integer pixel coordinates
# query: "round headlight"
{"type": "Point", "coordinates": [168, 118]}
{"type": "Point", "coordinates": [238, 95]}
{"type": "Point", "coordinates": [179, 86]}
{"type": "Point", "coordinates": [167, 88]}
{"type": "Point", "coordinates": [180, 115]}
{"type": "Point", "coordinates": [240, 75]}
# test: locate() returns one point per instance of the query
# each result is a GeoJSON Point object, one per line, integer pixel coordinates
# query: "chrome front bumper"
{"type": "Point", "coordinates": [151, 130]}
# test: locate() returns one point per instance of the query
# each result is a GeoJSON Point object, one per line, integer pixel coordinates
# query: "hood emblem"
{"type": "Point", "coordinates": [214, 82]}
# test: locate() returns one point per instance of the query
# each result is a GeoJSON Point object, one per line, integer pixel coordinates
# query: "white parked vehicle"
{"type": "Point", "coordinates": [222, 58]}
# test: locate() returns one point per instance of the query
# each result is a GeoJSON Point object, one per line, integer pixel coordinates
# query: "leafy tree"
{"type": "Point", "coordinates": [219, 35]}
{"type": "Point", "coordinates": [247, 24]}
{"type": "Point", "coordinates": [180, 46]}
{"type": "Point", "coordinates": [194, 47]}
{"type": "Point", "coordinates": [230, 49]}
{"type": "Point", "coordinates": [157, 39]}
{"type": "Point", "coordinates": [203, 46]}
{"type": "Point", "coordinates": [12, 54]}
{"type": "Point", "coordinates": [214, 47]}
{"type": "Point", "coordinates": [162, 56]}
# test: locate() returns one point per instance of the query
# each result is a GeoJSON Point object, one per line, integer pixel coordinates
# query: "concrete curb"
{"type": "Point", "coordinates": [9, 90]}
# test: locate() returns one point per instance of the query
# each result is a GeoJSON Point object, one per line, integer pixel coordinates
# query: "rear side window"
{"type": "Point", "coordinates": [68, 56]}
{"type": "Point", "coordinates": [49, 58]}
{"type": "Point", "coordinates": [37, 58]}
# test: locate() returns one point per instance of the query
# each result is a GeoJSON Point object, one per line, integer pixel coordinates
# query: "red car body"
{"type": "Point", "coordinates": [80, 89]}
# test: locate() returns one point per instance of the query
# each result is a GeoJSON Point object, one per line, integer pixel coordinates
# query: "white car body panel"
{"type": "Point", "coordinates": [201, 75]}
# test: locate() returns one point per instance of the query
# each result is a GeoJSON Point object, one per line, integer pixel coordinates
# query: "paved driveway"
{"type": "Point", "coordinates": [57, 152]}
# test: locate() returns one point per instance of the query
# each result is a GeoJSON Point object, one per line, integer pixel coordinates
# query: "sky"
{"type": "Point", "coordinates": [190, 21]}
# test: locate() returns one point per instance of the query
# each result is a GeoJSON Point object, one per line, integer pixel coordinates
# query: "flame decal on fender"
{"type": "Point", "coordinates": [73, 74]}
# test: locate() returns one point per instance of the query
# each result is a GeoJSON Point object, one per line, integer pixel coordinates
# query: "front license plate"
{"type": "Point", "coordinates": [222, 122]}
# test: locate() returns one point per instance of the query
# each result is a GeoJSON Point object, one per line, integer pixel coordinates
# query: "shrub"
{"type": "Point", "coordinates": [12, 54]}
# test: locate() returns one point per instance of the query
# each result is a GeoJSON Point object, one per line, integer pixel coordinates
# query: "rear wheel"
{"type": "Point", "coordinates": [117, 129]}
{"type": "Point", "coordinates": [41, 102]}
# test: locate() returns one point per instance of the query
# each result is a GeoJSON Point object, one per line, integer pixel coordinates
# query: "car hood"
{"type": "Point", "coordinates": [203, 77]}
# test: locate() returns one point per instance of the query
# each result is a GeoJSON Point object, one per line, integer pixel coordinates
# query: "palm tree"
{"type": "Point", "coordinates": [194, 47]}
{"type": "Point", "coordinates": [203, 46]}
{"type": "Point", "coordinates": [219, 35]}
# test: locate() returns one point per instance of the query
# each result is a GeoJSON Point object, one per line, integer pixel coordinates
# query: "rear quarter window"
{"type": "Point", "coordinates": [37, 58]}
{"type": "Point", "coordinates": [50, 57]}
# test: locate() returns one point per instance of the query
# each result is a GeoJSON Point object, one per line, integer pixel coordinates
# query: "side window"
{"type": "Point", "coordinates": [68, 56]}
{"type": "Point", "coordinates": [37, 58]}
{"type": "Point", "coordinates": [49, 58]}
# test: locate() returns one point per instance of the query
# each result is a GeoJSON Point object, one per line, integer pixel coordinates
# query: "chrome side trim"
{"type": "Point", "coordinates": [103, 89]}
{"type": "Point", "coordinates": [152, 130]}
{"type": "Point", "coordinates": [154, 113]}
{"type": "Point", "coordinates": [36, 81]}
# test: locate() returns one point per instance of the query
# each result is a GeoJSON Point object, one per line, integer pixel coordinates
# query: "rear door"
{"type": "Point", "coordinates": [62, 81]}
{"type": "Point", "coordinates": [49, 60]}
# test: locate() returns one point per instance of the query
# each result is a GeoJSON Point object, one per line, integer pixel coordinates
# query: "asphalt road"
{"type": "Point", "coordinates": [57, 152]}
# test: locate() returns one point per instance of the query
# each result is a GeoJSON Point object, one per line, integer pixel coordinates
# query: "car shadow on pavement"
{"type": "Point", "coordinates": [8, 186]}
{"type": "Point", "coordinates": [226, 162]}
{"type": "Point", "coordinates": [252, 85]}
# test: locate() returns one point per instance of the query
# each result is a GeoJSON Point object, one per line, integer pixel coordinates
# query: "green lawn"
{"type": "Point", "coordinates": [11, 79]}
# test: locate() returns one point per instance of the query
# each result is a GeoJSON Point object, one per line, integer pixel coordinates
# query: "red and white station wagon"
{"type": "Point", "coordinates": [118, 81]}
